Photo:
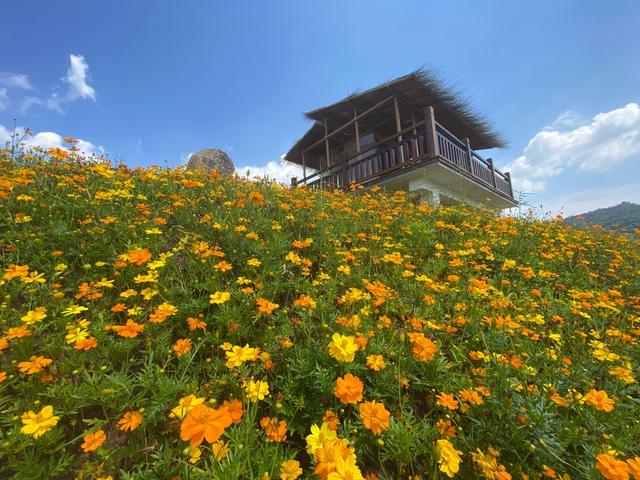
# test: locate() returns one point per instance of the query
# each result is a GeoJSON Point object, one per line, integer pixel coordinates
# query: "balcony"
{"type": "Point", "coordinates": [411, 148]}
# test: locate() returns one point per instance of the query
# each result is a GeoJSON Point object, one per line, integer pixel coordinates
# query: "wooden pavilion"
{"type": "Point", "coordinates": [411, 133]}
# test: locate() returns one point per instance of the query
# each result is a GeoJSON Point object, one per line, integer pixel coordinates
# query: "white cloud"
{"type": "Point", "coordinates": [77, 88]}
{"type": "Point", "coordinates": [77, 79]}
{"type": "Point", "coordinates": [566, 119]}
{"type": "Point", "coordinates": [608, 139]}
{"type": "Point", "coordinates": [47, 140]}
{"type": "Point", "coordinates": [4, 99]}
{"type": "Point", "coordinates": [15, 80]}
{"type": "Point", "coordinates": [280, 171]}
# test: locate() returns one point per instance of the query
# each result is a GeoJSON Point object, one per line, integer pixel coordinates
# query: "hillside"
{"type": "Point", "coordinates": [167, 324]}
{"type": "Point", "coordinates": [623, 217]}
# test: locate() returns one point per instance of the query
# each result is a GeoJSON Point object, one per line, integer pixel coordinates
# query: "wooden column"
{"type": "Point", "coordinates": [327, 148]}
{"type": "Point", "coordinates": [493, 172]}
{"type": "Point", "coordinates": [507, 175]}
{"type": "Point", "coordinates": [398, 123]}
{"type": "Point", "coordinates": [430, 126]}
{"type": "Point", "coordinates": [413, 122]}
{"type": "Point", "coordinates": [304, 166]}
{"type": "Point", "coordinates": [469, 154]}
{"type": "Point", "coordinates": [355, 116]}
{"type": "Point", "coordinates": [326, 143]}
{"type": "Point", "coordinates": [396, 107]}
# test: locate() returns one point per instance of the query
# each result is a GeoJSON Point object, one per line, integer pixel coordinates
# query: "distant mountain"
{"type": "Point", "coordinates": [623, 217]}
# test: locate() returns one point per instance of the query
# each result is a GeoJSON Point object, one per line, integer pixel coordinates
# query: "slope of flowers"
{"type": "Point", "coordinates": [167, 324]}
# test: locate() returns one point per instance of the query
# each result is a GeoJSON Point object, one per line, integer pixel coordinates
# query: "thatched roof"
{"type": "Point", "coordinates": [415, 91]}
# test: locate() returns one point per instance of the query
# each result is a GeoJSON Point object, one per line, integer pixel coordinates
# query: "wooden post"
{"type": "Point", "coordinates": [294, 181]}
{"type": "Point", "coordinates": [326, 143]}
{"type": "Point", "coordinates": [413, 122]}
{"type": "Point", "coordinates": [493, 172]}
{"type": "Point", "coordinates": [397, 110]}
{"type": "Point", "coordinates": [507, 175]}
{"type": "Point", "coordinates": [396, 107]}
{"type": "Point", "coordinates": [469, 154]}
{"type": "Point", "coordinates": [430, 125]}
{"type": "Point", "coordinates": [355, 116]}
{"type": "Point", "coordinates": [304, 166]}
{"type": "Point", "coordinates": [327, 147]}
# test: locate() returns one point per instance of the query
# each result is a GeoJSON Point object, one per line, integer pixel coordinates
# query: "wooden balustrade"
{"type": "Point", "coordinates": [389, 156]}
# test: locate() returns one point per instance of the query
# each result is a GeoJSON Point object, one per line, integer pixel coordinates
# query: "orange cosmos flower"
{"type": "Point", "coordinates": [86, 344]}
{"type": "Point", "coordinates": [118, 307]}
{"type": "Point", "coordinates": [58, 153]}
{"type": "Point", "coordinates": [599, 400]}
{"type": "Point", "coordinates": [634, 463]}
{"type": "Point", "coordinates": [265, 306]}
{"type": "Point", "coordinates": [423, 348]}
{"type": "Point", "coordinates": [18, 332]}
{"type": "Point", "coordinates": [138, 256]}
{"type": "Point", "coordinates": [130, 420]}
{"type": "Point", "coordinates": [204, 423]}
{"type": "Point", "coordinates": [35, 365]}
{"type": "Point", "coordinates": [15, 271]}
{"type": "Point", "coordinates": [196, 322]}
{"type": "Point", "coordinates": [182, 346]}
{"type": "Point", "coordinates": [223, 266]}
{"type": "Point", "coordinates": [331, 419]}
{"type": "Point", "coordinates": [276, 430]}
{"type": "Point", "coordinates": [349, 389]}
{"type": "Point", "coordinates": [375, 416]}
{"type": "Point", "coordinates": [305, 301]}
{"type": "Point", "coordinates": [375, 362]}
{"type": "Point", "coordinates": [93, 440]}
{"type": "Point", "coordinates": [130, 330]}
{"type": "Point", "coordinates": [447, 400]}
{"type": "Point", "coordinates": [471, 396]}
{"type": "Point", "coordinates": [234, 407]}
{"type": "Point", "coordinates": [612, 468]}
{"type": "Point", "coordinates": [256, 198]}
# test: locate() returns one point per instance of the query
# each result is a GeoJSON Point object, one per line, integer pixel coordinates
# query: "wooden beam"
{"type": "Point", "coordinates": [304, 166]}
{"type": "Point", "coordinates": [348, 124]}
{"type": "Point", "coordinates": [326, 143]}
{"type": "Point", "coordinates": [355, 118]}
{"type": "Point", "coordinates": [467, 144]}
{"type": "Point", "coordinates": [493, 172]}
{"type": "Point", "coordinates": [398, 122]}
{"type": "Point", "coordinates": [413, 122]}
{"type": "Point", "coordinates": [507, 175]}
{"type": "Point", "coordinates": [430, 126]}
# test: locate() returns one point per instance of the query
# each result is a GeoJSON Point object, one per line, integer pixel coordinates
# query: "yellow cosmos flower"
{"type": "Point", "coordinates": [256, 390]}
{"type": "Point", "coordinates": [290, 470]}
{"type": "Point", "coordinates": [448, 458]}
{"type": "Point", "coordinates": [343, 347]}
{"type": "Point", "coordinates": [318, 437]}
{"type": "Point", "coordinates": [33, 316]}
{"type": "Point", "coordinates": [219, 298]}
{"type": "Point", "coordinates": [37, 424]}
{"type": "Point", "coordinates": [185, 405]}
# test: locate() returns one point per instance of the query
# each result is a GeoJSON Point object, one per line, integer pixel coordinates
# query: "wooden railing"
{"type": "Point", "coordinates": [460, 154]}
{"type": "Point", "coordinates": [390, 155]}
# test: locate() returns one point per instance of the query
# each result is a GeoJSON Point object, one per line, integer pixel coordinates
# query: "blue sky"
{"type": "Point", "coordinates": [150, 82]}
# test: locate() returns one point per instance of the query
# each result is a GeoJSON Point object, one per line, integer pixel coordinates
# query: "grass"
{"type": "Point", "coordinates": [510, 346]}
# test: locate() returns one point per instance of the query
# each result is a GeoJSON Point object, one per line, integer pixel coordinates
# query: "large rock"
{"type": "Point", "coordinates": [213, 159]}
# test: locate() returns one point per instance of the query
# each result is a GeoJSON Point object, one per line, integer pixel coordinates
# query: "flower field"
{"type": "Point", "coordinates": [158, 323]}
